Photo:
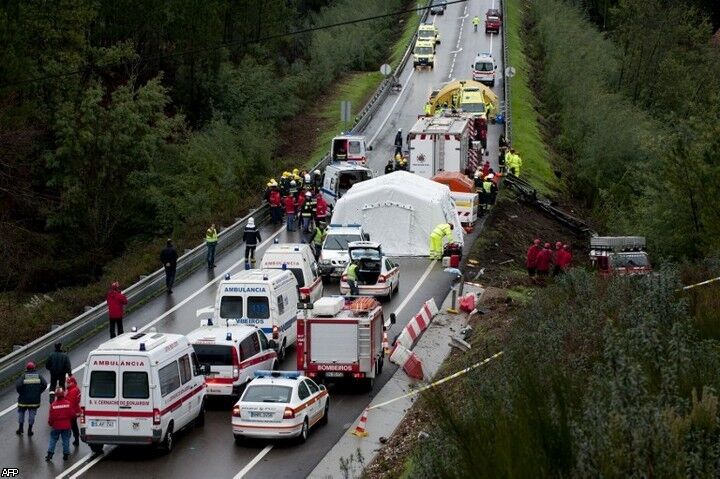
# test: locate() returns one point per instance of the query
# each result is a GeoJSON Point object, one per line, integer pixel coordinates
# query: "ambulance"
{"type": "Point", "coordinates": [300, 260]}
{"type": "Point", "coordinates": [266, 299]}
{"type": "Point", "coordinates": [231, 353]}
{"type": "Point", "coordinates": [141, 388]}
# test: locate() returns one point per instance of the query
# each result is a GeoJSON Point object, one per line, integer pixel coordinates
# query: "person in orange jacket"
{"type": "Point", "coordinates": [543, 263]}
{"type": "Point", "coordinates": [73, 396]}
{"type": "Point", "coordinates": [531, 258]}
{"type": "Point", "coordinates": [60, 420]}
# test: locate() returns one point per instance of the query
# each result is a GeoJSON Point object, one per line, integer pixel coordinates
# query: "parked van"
{"type": "Point", "coordinates": [300, 260]}
{"type": "Point", "coordinates": [141, 388]}
{"type": "Point", "coordinates": [230, 353]}
{"type": "Point", "coordinates": [264, 298]}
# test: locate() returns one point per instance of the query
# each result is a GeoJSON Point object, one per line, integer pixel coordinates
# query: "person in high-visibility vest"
{"type": "Point", "coordinates": [428, 109]}
{"type": "Point", "coordinates": [211, 239]}
{"type": "Point", "coordinates": [443, 230]}
{"type": "Point", "coordinates": [318, 238]}
{"type": "Point", "coordinates": [475, 22]}
{"type": "Point", "coordinates": [351, 278]}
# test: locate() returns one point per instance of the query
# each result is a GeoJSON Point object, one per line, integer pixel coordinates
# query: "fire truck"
{"type": "Point", "coordinates": [619, 255]}
{"type": "Point", "coordinates": [341, 339]}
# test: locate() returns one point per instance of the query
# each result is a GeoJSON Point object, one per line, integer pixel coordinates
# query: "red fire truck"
{"type": "Point", "coordinates": [341, 339]}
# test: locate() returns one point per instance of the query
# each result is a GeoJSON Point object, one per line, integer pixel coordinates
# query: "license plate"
{"type": "Point", "coordinates": [101, 423]}
{"type": "Point", "coordinates": [260, 414]}
{"type": "Point", "coordinates": [334, 375]}
{"type": "Point", "coordinates": [214, 391]}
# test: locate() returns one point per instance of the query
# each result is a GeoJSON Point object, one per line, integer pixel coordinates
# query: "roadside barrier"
{"type": "Point", "coordinates": [408, 361]}
{"type": "Point", "coordinates": [362, 425]}
{"type": "Point", "coordinates": [418, 324]}
{"type": "Point", "coordinates": [385, 345]}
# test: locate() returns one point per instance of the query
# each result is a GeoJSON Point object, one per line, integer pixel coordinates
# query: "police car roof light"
{"type": "Point", "coordinates": [277, 240]}
{"type": "Point", "coordinates": [297, 248]}
{"type": "Point", "coordinates": [264, 373]}
{"type": "Point", "coordinates": [284, 266]}
{"type": "Point", "coordinates": [228, 336]}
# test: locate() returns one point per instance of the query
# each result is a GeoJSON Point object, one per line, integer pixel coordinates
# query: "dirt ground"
{"type": "Point", "coordinates": [497, 261]}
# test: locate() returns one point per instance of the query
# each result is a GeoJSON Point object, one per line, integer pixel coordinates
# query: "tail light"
{"type": "Point", "coordinates": [289, 413]}
{"type": "Point", "coordinates": [276, 332]}
{"type": "Point", "coordinates": [358, 375]}
{"type": "Point", "coordinates": [156, 416]}
{"type": "Point", "coordinates": [304, 294]}
{"type": "Point", "coordinates": [236, 364]}
{"type": "Point", "coordinates": [343, 278]}
{"type": "Point", "coordinates": [382, 278]}
{"type": "Point", "coordinates": [236, 411]}
{"type": "Point", "coordinates": [82, 416]}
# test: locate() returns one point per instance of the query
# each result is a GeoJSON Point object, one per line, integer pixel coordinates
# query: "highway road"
{"type": "Point", "coordinates": [211, 451]}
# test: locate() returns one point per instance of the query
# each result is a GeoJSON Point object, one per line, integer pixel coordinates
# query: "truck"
{"type": "Point", "coordinates": [339, 176]}
{"type": "Point", "coordinates": [440, 143]}
{"type": "Point", "coordinates": [493, 20]}
{"type": "Point", "coordinates": [619, 255]}
{"type": "Point", "coordinates": [424, 54]}
{"type": "Point", "coordinates": [341, 339]}
{"type": "Point", "coordinates": [350, 148]}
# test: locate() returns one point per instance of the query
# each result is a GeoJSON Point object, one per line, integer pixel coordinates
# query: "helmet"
{"type": "Point", "coordinates": [317, 172]}
{"type": "Point", "coordinates": [398, 156]}
{"type": "Point", "coordinates": [536, 242]}
{"type": "Point", "coordinates": [558, 244]}
{"type": "Point", "coordinates": [285, 174]}
{"type": "Point", "coordinates": [30, 366]}
{"type": "Point", "coordinates": [399, 130]}
{"type": "Point", "coordinates": [308, 194]}
{"type": "Point", "coordinates": [547, 245]}
{"type": "Point", "coordinates": [490, 176]}
{"type": "Point", "coordinates": [307, 178]}
{"type": "Point", "coordinates": [115, 285]}
{"type": "Point", "coordinates": [566, 246]}
{"type": "Point", "coordinates": [269, 183]}
{"type": "Point", "coordinates": [477, 174]}
{"type": "Point", "coordinates": [292, 183]}
{"type": "Point", "coordinates": [295, 171]}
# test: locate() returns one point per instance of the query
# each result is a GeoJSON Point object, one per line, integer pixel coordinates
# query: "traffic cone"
{"type": "Point", "coordinates": [386, 347]}
{"type": "Point", "coordinates": [413, 367]}
{"type": "Point", "coordinates": [360, 428]}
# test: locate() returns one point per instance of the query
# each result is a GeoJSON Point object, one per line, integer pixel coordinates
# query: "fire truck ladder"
{"type": "Point", "coordinates": [364, 341]}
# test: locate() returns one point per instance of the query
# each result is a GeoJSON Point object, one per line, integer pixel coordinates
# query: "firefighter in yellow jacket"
{"type": "Point", "coordinates": [443, 230]}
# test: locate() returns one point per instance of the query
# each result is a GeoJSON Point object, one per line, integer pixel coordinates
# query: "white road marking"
{"type": "Point", "coordinates": [252, 463]}
{"type": "Point", "coordinates": [87, 467]}
{"type": "Point", "coordinates": [177, 306]}
{"type": "Point", "coordinates": [392, 108]}
{"type": "Point", "coordinates": [412, 292]}
{"type": "Point", "coordinates": [457, 51]}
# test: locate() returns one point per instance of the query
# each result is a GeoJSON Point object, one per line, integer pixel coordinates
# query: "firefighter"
{"type": "Point", "coordinates": [293, 189]}
{"type": "Point", "coordinates": [566, 258]}
{"type": "Point", "coordinates": [321, 209]}
{"type": "Point", "coordinates": [251, 236]}
{"type": "Point", "coordinates": [557, 257]}
{"type": "Point", "coordinates": [443, 230]}
{"type": "Point", "coordinates": [275, 205]}
{"type": "Point", "coordinates": [307, 212]}
{"type": "Point", "coordinates": [493, 186]}
{"type": "Point", "coordinates": [543, 263]}
{"type": "Point", "coordinates": [390, 167]}
{"type": "Point", "coordinates": [317, 179]}
{"type": "Point", "coordinates": [398, 141]}
{"type": "Point", "coordinates": [30, 387]}
{"type": "Point", "coordinates": [513, 162]}
{"type": "Point", "coordinates": [116, 302]}
{"type": "Point", "coordinates": [475, 22]}
{"type": "Point", "coordinates": [428, 109]}
{"type": "Point", "coordinates": [318, 238]}
{"type": "Point", "coordinates": [487, 187]}
{"type": "Point", "coordinates": [489, 108]}
{"type": "Point", "coordinates": [290, 210]}
{"type": "Point", "coordinates": [285, 183]}
{"type": "Point", "coordinates": [531, 259]}
{"type": "Point", "coordinates": [503, 146]}
{"type": "Point", "coordinates": [351, 278]}
{"type": "Point", "coordinates": [211, 239]}
{"type": "Point", "coordinates": [486, 168]}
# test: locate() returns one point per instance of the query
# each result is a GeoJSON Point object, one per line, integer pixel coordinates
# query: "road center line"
{"type": "Point", "coordinates": [412, 292]}
{"type": "Point", "coordinates": [252, 463]}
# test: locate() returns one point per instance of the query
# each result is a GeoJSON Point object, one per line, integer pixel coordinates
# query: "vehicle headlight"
{"type": "Point", "coordinates": [325, 262]}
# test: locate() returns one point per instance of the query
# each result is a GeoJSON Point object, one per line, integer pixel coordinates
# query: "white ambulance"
{"type": "Point", "coordinates": [300, 260]}
{"type": "Point", "coordinates": [141, 388]}
{"type": "Point", "coordinates": [264, 298]}
{"type": "Point", "coordinates": [231, 353]}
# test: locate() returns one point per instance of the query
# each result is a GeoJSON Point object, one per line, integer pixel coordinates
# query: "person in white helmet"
{"type": "Point", "coordinates": [398, 141]}
{"type": "Point", "coordinates": [251, 236]}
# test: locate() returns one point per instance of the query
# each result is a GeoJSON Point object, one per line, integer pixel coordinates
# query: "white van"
{"type": "Point", "coordinates": [339, 177]}
{"type": "Point", "coordinates": [334, 255]}
{"type": "Point", "coordinates": [230, 354]}
{"type": "Point", "coordinates": [299, 259]}
{"type": "Point", "coordinates": [141, 388]}
{"type": "Point", "coordinates": [264, 298]}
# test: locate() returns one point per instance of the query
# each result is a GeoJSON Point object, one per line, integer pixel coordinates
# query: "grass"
{"type": "Point", "coordinates": [412, 21]}
{"type": "Point", "coordinates": [526, 134]}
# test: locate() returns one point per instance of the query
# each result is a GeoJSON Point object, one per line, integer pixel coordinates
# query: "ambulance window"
{"type": "Point", "coordinates": [258, 307]}
{"type": "Point", "coordinates": [214, 354]}
{"type": "Point", "coordinates": [281, 305]}
{"type": "Point", "coordinates": [312, 386]}
{"type": "Point", "coordinates": [263, 340]}
{"type": "Point", "coordinates": [135, 385]}
{"type": "Point", "coordinates": [196, 365]}
{"type": "Point", "coordinates": [249, 347]}
{"type": "Point", "coordinates": [185, 372]}
{"type": "Point", "coordinates": [355, 148]}
{"type": "Point", "coordinates": [102, 384]}
{"type": "Point", "coordinates": [169, 378]}
{"type": "Point", "coordinates": [231, 307]}
{"type": "Point", "coordinates": [303, 392]}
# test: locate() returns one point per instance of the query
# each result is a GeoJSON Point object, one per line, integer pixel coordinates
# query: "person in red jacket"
{"type": "Point", "coordinates": [557, 255]}
{"type": "Point", "coordinates": [290, 208]}
{"type": "Point", "coordinates": [531, 259]}
{"type": "Point", "coordinates": [321, 210]}
{"type": "Point", "coordinates": [60, 421]}
{"type": "Point", "coordinates": [73, 397]}
{"type": "Point", "coordinates": [116, 302]}
{"type": "Point", "coordinates": [565, 259]}
{"type": "Point", "coordinates": [486, 168]}
{"type": "Point", "coordinates": [275, 206]}
{"type": "Point", "coordinates": [543, 262]}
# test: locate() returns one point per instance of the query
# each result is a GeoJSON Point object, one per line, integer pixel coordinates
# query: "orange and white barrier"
{"type": "Point", "coordinates": [408, 361]}
{"type": "Point", "coordinates": [418, 324]}
{"type": "Point", "coordinates": [385, 345]}
{"type": "Point", "coordinates": [360, 429]}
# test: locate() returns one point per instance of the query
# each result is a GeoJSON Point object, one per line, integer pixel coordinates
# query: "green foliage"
{"type": "Point", "coordinates": [598, 379]}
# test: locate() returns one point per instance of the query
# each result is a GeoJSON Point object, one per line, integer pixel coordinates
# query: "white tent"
{"type": "Point", "coordinates": [399, 210]}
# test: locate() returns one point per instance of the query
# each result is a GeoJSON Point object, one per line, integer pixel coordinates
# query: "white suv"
{"type": "Point", "coordinates": [334, 255]}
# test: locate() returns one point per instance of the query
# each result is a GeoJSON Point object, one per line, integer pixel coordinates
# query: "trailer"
{"type": "Point", "coordinates": [439, 143]}
{"type": "Point", "coordinates": [341, 339]}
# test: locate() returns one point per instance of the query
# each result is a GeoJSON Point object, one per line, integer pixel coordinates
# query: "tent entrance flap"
{"type": "Point", "coordinates": [384, 218]}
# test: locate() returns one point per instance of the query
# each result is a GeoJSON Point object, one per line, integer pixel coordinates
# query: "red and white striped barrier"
{"type": "Point", "coordinates": [408, 361]}
{"type": "Point", "coordinates": [418, 324]}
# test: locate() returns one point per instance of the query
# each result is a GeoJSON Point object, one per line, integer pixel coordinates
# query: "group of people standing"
{"type": "Point", "coordinates": [542, 260]}
{"type": "Point", "coordinates": [64, 401]}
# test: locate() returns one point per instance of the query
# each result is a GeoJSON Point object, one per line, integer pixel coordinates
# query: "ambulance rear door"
{"type": "Point", "coordinates": [135, 412]}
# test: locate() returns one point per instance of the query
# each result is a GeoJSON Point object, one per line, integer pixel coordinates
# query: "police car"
{"type": "Point", "coordinates": [279, 404]}
{"type": "Point", "coordinates": [377, 275]}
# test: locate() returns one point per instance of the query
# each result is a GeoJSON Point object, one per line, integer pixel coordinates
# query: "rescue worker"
{"type": "Point", "coordinates": [321, 209]}
{"type": "Point", "coordinates": [557, 259]}
{"type": "Point", "coordinates": [275, 206]}
{"type": "Point", "coordinates": [285, 183]}
{"type": "Point", "coordinates": [475, 22]}
{"type": "Point", "coordinates": [211, 239]}
{"type": "Point", "coordinates": [543, 263]}
{"type": "Point", "coordinates": [293, 189]}
{"type": "Point", "coordinates": [487, 186]}
{"type": "Point", "coordinates": [493, 186]}
{"type": "Point", "coordinates": [398, 141]}
{"type": "Point", "coordinates": [307, 181]}
{"type": "Point", "coordinates": [513, 162]}
{"type": "Point", "coordinates": [251, 237]}
{"type": "Point", "coordinates": [296, 175]}
{"type": "Point", "coordinates": [290, 210]}
{"type": "Point", "coordinates": [477, 180]}
{"type": "Point", "coordinates": [428, 109]}
{"type": "Point", "coordinates": [29, 387]}
{"type": "Point", "coordinates": [60, 422]}
{"type": "Point", "coordinates": [317, 179]}
{"type": "Point", "coordinates": [531, 259]}
{"type": "Point", "coordinates": [443, 230]}
{"type": "Point", "coordinates": [306, 213]}
{"type": "Point", "coordinates": [73, 396]}
{"type": "Point", "coordinates": [58, 365]}
{"type": "Point", "coordinates": [503, 146]}
{"type": "Point", "coordinates": [486, 168]}
{"type": "Point", "coordinates": [566, 258]}
{"type": "Point", "coordinates": [390, 167]}
{"type": "Point", "coordinates": [168, 257]}
{"type": "Point", "coordinates": [116, 302]}
{"type": "Point", "coordinates": [489, 108]}
{"type": "Point", "coordinates": [351, 277]}
{"type": "Point", "coordinates": [318, 238]}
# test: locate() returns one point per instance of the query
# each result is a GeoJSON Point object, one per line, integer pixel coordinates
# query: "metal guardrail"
{"type": "Point", "coordinates": [150, 286]}
{"type": "Point", "coordinates": [506, 80]}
